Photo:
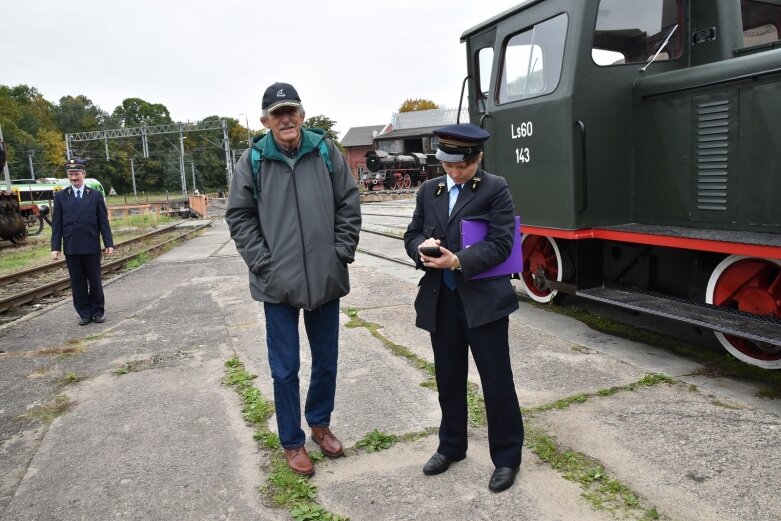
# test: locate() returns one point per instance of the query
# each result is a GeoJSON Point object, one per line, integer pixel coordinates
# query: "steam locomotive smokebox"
{"type": "Point", "coordinates": [11, 222]}
{"type": "Point", "coordinates": [377, 160]}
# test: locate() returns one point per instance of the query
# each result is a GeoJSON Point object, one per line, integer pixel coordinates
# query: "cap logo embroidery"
{"type": "Point", "coordinates": [281, 93]}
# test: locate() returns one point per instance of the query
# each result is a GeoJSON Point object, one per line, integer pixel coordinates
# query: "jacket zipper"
{"type": "Point", "coordinates": [301, 237]}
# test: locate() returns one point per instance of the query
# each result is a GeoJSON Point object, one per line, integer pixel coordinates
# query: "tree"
{"type": "Point", "coordinates": [53, 146]}
{"type": "Point", "coordinates": [78, 114]}
{"type": "Point", "coordinates": [325, 123]}
{"type": "Point", "coordinates": [135, 112]}
{"type": "Point", "coordinates": [411, 105]}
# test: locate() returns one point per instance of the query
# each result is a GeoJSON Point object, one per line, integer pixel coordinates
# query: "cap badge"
{"type": "Point", "coordinates": [281, 93]}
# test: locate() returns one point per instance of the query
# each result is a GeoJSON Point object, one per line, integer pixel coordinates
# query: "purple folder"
{"type": "Point", "coordinates": [475, 231]}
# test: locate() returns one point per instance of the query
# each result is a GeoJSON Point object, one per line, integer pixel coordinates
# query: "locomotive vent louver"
{"type": "Point", "coordinates": [712, 155]}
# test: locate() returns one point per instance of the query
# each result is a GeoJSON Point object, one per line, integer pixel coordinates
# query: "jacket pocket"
{"type": "Point", "coordinates": [261, 267]}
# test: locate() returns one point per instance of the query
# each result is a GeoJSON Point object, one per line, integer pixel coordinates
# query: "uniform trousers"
{"type": "Point", "coordinates": [489, 344]}
{"type": "Point", "coordinates": [86, 284]}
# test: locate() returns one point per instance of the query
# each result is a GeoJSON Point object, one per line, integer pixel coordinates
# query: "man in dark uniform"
{"type": "Point", "coordinates": [463, 312]}
{"type": "Point", "coordinates": [79, 220]}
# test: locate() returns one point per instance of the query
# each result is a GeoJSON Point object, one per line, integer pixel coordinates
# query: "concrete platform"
{"type": "Point", "coordinates": [129, 419]}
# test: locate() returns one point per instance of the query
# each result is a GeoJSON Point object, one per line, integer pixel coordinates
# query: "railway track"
{"type": "Point", "coordinates": [31, 285]}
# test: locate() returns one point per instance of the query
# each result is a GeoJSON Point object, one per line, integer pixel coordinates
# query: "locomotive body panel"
{"type": "Point", "coordinates": [641, 142]}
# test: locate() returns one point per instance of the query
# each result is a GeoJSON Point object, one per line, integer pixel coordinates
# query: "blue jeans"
{"type": "Point", "coordinates": [322, 330]}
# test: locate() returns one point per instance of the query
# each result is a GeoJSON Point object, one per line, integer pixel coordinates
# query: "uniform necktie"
{"type": "Point", "coordinates": [449, 276]}
{"type": "Point", "coordinates": [78, 196]}
{"type": "Point", "coordinates": [455, 190]}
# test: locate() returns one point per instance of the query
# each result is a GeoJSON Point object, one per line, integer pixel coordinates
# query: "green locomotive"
{"type": "Point", "coordinates": [641, 140]}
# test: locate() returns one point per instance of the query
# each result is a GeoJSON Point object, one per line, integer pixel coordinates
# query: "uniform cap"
{"type": "Point", "coordinates": [75, 164]}
{"type": "Point", "coordinates": [460, 142]}
{"type": "Point", "coordinates": [280, 95]}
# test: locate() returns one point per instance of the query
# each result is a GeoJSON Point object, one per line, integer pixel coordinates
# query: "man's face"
{"type": "Point", "coordinates": [76, 177]}
{"type": "Point", "coordinates": [285, 124]}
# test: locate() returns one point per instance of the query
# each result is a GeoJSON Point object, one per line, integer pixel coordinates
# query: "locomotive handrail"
{"type": "Point", "coordinates": [584, 196]}
{"type": "Point", "coordinates": [461, 99]}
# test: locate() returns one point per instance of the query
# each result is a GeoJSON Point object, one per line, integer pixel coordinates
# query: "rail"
{"type": "Point", "coordinates": [50, 288]}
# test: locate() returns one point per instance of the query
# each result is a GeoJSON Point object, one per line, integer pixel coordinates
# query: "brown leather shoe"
{"type": "Point", "coordinates": [328, 443]}
{"type": "Point", "coordinates": [299, 462]}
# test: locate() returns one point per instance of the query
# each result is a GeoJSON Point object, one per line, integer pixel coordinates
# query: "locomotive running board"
{"type": "Point", "coordinates": [730, 322]}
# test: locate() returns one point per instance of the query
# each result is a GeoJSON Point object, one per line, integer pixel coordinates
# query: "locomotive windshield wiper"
{"type": "Point", "coordinates": [661, 47]}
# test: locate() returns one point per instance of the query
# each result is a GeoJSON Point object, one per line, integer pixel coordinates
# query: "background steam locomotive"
{"type": "Point", "coordinates": [388, 170]}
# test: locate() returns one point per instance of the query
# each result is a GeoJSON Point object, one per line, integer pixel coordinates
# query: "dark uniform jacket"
{"type": "Point", "coordinates": [78, 226]}
{"type": "Point", "coordinates": [485, 197]}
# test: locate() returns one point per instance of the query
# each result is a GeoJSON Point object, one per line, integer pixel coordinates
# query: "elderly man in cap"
{"type": "Point", "coordinates": [294, 214]}
{"type": "Point", "coordinates": [79, 220]}
{"type": "Point", "coordinates": [461, 311]}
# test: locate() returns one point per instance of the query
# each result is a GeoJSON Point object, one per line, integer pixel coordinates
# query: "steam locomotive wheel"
{"type": "Point", "coordinates": [19, 239]}
{"type": "Point", "coordinates": [539, 251]}
{"type": "Point", "coordinates": [406, 181]}
{"type": "Point", "coordinates": [751, 285]}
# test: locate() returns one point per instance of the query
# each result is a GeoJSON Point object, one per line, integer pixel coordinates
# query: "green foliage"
{"type": "Point", "coordinates": [314, 512]}
{"type": "Point", "coordinates": [376, 441]}
{"type": "Point", "coordinates": [135, 112]}
{"type": "Point", "coordinates": [411, 105]}
{"type": "Point", "coordinates": [325, 123]}
{"type": "Point", "coordinates": [475, 407]}
{"type": "Point", "coordinates": [33, 130]}
{"type": "Point", "coordinates": [268, 439]}
{"type": "Point", "coordinates": [602, 491]}
{"type": "Point", "coordinates": [138, 260]}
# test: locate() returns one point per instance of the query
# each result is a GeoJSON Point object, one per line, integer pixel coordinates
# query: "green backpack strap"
{"type": "Point", "coordinates": [255, 158]}
{"type": "Point", "coordinates": [323, 147]}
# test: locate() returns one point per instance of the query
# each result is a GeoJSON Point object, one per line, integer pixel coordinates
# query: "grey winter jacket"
{"type": "Point", "coordinates": [299, 235]}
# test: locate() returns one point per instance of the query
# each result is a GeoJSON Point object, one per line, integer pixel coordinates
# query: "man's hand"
{"type": "Point", "coordinates": [109, 250]}
{"type": "Point", "coordinates": [444, 262]}
{"type": "Point", "coordinates": [55, 255]}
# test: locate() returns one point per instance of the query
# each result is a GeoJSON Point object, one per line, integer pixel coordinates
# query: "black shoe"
{"type": "Point", "coordinates": [503, 478]}
{"type": "Point", "coordinates": [438, 464]}
{"type": "Point", "coordinates": [99, 319]}
{"type": "Point", "coordinates": [83, 321]}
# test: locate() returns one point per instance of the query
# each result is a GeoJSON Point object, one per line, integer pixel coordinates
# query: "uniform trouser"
{"type": "Point", "coordinates": [490, 349]}
{"type": "Point", "coordinates": [322, 330]}
{"type": "Point", "coordinates": [86, 284]}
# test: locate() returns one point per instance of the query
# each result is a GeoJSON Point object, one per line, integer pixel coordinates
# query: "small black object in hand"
{"type": "Point", "coordinates": [430, 251]}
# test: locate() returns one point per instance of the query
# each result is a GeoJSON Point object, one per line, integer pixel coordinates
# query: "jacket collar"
{"type": "Point", "coordinates": [310, 139]}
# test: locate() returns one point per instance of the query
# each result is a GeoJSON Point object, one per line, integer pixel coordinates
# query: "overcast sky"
{"type": "Point", "coordinates": [353, 61]}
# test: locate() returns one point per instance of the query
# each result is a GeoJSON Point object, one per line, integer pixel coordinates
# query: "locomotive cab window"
{"type": "Point", "coordinates": [633, 31]}
{"type": "Point", "coordinates": [485, 58]}
{"type": "Point", "coordinates": [532, 60]}
{"type": "Point", "coordinates": [761, 20]}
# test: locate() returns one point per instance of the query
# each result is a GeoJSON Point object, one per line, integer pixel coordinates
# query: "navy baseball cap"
{"type": "Point", "coordinates": [75, 164]}
{"type": "Point", "coordinates": [460, 142]}
{"type": "Point", "coordinates": [280, 95]}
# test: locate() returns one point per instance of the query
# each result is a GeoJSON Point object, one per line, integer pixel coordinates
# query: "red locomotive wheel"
{"type": "Point", "coordinates": [751, 285]}
{"type": "Point", "coordinates": [540, 251]}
